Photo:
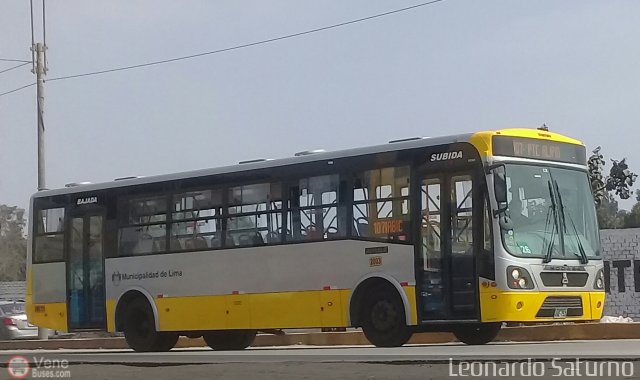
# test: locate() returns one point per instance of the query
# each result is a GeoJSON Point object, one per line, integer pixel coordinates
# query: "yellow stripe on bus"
{"type": "Point", "coordinates": [303, 309]}
{"type": "Point", "coordinates": [321, 308]}
{"type": "Point", "coordinates": [111, 315]}
{"type": "Point", "coordinates": [410, 291]}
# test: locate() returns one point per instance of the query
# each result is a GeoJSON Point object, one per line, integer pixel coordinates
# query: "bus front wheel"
{"type": "Point", "coordinates": [383, 319]}
{"type": "Point", "coordinates": [226, 340]}
{"type": "Point", "coordinates": [478, 333]}
{"type": "Point", "coordinates": [140, 330]}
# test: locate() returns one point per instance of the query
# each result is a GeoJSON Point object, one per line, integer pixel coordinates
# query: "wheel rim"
{"type": "Point", "coordinates": [384, 316]}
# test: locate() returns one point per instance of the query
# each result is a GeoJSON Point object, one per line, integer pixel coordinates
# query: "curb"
{"type": "Point", "coordinates": [581, 331]}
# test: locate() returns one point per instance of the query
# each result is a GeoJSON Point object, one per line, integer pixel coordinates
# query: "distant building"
{"type": "Point", "coordinates": [14, 290]}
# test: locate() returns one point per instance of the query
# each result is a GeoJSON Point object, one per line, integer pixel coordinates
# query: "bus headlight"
{"type": "Point", "coordinates": [599, 283]}
{"type": "Point", "coordinates": [518, 278]}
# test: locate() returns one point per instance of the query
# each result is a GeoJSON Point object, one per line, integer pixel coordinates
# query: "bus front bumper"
{"type": "Point", "coordinates": [509, 306]}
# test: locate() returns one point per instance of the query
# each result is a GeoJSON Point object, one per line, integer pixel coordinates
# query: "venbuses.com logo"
{"type": "Point", "coordinates": [18, 367]}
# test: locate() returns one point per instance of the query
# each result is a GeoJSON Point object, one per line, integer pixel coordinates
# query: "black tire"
{"type": "Point", "coordinates": [166, 341]}
{"type": "Point", "coordinates": [140, 330]}
{"type": "Point", "coordinates": [227, 340]}
{"type": "Point", "coordinates": [383, 318]}
{"type": "Point", "coordinates": [478, 333]}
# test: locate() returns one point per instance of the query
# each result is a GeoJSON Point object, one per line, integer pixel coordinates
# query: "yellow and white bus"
{"type": "Point", "coordinates": [458, 233]}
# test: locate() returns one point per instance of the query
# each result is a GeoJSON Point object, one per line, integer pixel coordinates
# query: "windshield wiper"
{"type": "Point", "coordinates": [552, 211]}
{"type": "Point", "coordinates": [583, 255]}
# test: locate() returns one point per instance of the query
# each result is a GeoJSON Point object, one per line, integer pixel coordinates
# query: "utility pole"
{"type": "Point", "coordinates": [39, 67]}
{"type": "Point", "coordinates": [40, 71]}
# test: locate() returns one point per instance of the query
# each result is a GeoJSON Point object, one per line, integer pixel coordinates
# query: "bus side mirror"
{"type": "Point", "coordinates": [500, 189]}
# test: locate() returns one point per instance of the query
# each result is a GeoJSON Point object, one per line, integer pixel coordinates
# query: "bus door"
{"type": "Point", "coordinates": [85, 270]}
{"type": "Point", "coordinates": [446, 271]}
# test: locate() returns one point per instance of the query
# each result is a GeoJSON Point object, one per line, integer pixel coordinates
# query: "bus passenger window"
{"type": "Point", "coordinates": [255, 215]}
{"type": "Point", "coordinates": [196, 220]}
{"type": "Point", "coordinates": [381, 204]}
{"type": "Point", "coordinates": [315, 210]}
{"type": "Point", "coordinates": [143, 228]}
{"type": "Point", "coordinates": [49, 237]}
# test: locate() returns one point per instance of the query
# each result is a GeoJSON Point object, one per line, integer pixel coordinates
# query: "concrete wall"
{"type": "Point", "coordinates": [621, 253]}
{"type": "Point", "coordinates": [14, 290]}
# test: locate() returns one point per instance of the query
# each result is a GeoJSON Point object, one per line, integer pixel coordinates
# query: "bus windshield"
{"type": "Point", "coordinates": [550, 213]}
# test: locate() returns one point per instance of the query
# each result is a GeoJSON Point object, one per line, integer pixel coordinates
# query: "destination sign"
{"type": "Point", "coordinates": [539, 149]}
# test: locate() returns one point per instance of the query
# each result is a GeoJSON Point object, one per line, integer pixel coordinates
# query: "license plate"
{"type": "Point", "coordinates": [560, 312]}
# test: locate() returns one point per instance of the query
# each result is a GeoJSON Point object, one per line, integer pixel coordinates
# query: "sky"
{"type": "Point", "coordinates": [453, 67]}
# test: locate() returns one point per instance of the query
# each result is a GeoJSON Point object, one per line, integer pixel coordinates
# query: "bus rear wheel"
{"type": "Point", "coordinates": [477, 333]}
{"type": "Point", "coordinates": [383, 319]}
{"type": "Point", "coordinates": [140, 330]}
{"type": "Point", "coordinates": [227, 340]}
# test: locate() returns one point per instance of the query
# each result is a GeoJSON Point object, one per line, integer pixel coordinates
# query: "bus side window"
{"type": "Point", "coordinates": [381, 204]}
{"type": "Point", "coordinates": [49, 235]}
{"type": "Point", "coordinates": [143, 227]}
{"type": "Point", "coordinates": [255, 215]}
{"type": "Point", "coordinates": [315, 210]}
{"type": "Point", "coordinates": [195, 220]}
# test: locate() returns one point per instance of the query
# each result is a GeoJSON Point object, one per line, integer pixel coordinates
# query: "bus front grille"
{"type": "Point", "coordinates": [564, 279]}
{"type": "Point", "coordinates": [560, 307]}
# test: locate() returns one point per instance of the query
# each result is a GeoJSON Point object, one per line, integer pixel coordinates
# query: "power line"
{"type": "Point", "coordinates": [13, 60]}
{"type": "Point", "coordinates": [19, 88]}
{"type": "Point", "coordinates": [15, 67]}
{"type": "Point", "coordinates": [153, 63]}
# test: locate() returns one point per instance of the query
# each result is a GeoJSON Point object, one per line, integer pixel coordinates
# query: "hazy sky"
{"type": "Point", "coordinates": [456, 66]}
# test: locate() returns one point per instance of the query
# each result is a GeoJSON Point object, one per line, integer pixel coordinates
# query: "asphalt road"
{"type": "Point", "coordinates": [438, 361]}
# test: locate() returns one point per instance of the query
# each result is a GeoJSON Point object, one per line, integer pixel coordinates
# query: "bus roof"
{"type": "Point", "coordinates": [302, 157]}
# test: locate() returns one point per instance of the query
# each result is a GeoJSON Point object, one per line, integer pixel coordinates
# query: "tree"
{"type": "Point", "coordinates": [609, 215]}
{"type": "Point", "coordinates": [632, 219]}
{"type": "Point", "coordinates": [620, 178]}
{"type": "Point", "coordinates": [13, 244]}
{"type": "Point", "coordinates": [617, 183]}
{"type": "Point", "coordinates": [598, 184]}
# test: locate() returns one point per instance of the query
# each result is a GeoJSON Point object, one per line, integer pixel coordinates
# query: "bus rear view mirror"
{"type": "Point", "coordinates": [500, 188]}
